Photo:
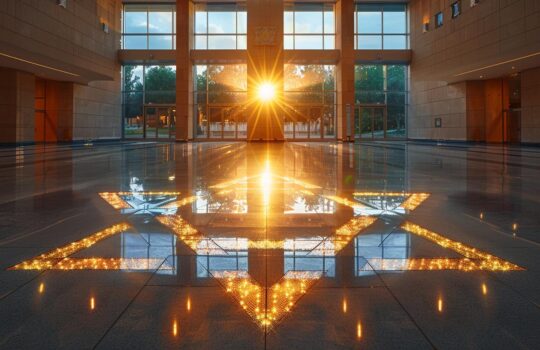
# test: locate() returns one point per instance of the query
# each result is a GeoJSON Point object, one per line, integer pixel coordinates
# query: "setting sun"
{"type": "Point", "coordinates": [266, 92]}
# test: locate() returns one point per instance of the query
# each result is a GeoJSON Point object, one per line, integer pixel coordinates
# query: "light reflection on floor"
{"type": "Point", "coordinates": [293, 243]}
{"type": "Point", "coordinates": [306, 260]}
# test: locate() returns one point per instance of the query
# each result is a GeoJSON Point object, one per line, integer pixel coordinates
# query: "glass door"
{"type": "Point", "coordinates": [370, 122]}
{"type": "Point", "coordinates": [159, 122]}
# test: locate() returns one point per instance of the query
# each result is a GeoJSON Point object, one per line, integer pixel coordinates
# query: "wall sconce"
{"type": "Point", "coordinates": [425, 27]}
{"type": "Point", "coordinates": [105, 26]}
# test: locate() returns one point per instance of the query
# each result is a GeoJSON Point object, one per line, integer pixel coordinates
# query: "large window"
{"type": "Point", "coordinates": [145, 89]}
{"type": "Point", "coordinates": [310, 94]}
{"type": "Point", "coordinates": [219, 99]}
{"type": "Point", "coordinates": [381, 27]}
{"type": "Point", "coordinates": [384, 86]}
{"type": "Point", "coordinates": [150, 27]}
{"type": "Point", "coordinates": [309, 26]}
{"type": "Point", "coordinates": [220, 27]}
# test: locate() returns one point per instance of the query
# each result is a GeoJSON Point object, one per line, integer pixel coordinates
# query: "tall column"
{"type": "Point", "coordinates": [265, 64]}
{"type": "Point", "coordinates": [17, 91]}
{"type": "Point", "coordinates": [184, 71]}
{"type": "Point", "coordinates": [345, 68]}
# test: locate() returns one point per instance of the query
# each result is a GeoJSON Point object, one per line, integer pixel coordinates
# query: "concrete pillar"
{"type": "Point", "coordinates": [16, 106]}
{"type": "Point", "coordinates": [265, 64]}
{"type": "Point", "coordinates": [184, 70]}
{"type": "Point", "coordinates": [345, 67]}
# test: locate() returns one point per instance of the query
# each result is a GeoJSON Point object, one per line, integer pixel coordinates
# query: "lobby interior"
{"type": "Point", "coordinates": [322, 174]}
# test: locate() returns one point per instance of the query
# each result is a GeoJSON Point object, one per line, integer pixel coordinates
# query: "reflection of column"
{"type": "Point", "coordinates": [266, 266]}
{"type": "Point", "coordinates": [186, 264]}
{"type": "Point", "coordinates": [345, 68]}
{"type": "Point", "coordinates": [345, 264]}
{"type": "Point", "coordinates": [184, 74]}
{"type": "Point", "coordinates": [265, 64]}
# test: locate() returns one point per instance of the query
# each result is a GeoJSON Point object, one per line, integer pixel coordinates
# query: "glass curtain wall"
{"type": "Point", "coordinates": [381, 100]}
{"type": "Point", "coordinates": [309, 26]}
{"type": "Point", "coordinates": [310, 97]}
{"type": "Point", "coordinates": [381, 27]}
{"type": "Point", "coordinates": [220, 27]}
{"type": "Point", "coordinates": [220, 94]}
{"type": "Point", "coordinates": [149, 98]}
{"type": "Point", "coordinates": [149, 27]}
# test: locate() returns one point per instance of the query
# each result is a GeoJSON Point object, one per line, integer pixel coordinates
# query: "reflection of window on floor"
{"type": "Point", "coordinates": [310, 254]}
{"type": "Point", "coordinates": [221, 254]}
{"type": "Point", "coordinates": [152, 246]}
{"type": "Point", "coordinates": [374, 247]}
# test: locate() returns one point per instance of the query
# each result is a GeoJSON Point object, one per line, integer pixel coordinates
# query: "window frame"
{"type": "Point", "coordinates": [292, 8]}
{"type": "Point", "coordinates": [382, 34]}
{"type": "Point", "coordinates": [456, 8]}
{"type": "Point", "coordinates": [238, 8]}
{"type": "Point", "coordinates": [439, 15]}
{"type": "Point", "coordinates": [147, 33]}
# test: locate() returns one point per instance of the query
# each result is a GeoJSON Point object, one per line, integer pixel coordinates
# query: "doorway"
{"type": "Point", "coordinates": [370, 122]}
{"type": "Point", "coordinates": [159, 121]}
{"type": "Point", "coordinates": [223, 122]}
{"type": "Point", "coordinates": [309, 122]}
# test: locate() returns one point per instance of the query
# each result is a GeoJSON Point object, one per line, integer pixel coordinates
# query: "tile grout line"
{"type": "Point", "coordinates": [128, 305]}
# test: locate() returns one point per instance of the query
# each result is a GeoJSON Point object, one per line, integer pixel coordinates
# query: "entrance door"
{"type": "Point", "coordinates": [226, 122]}
{"type": "Point", "coordinates": [308, 122]}
{"type": "Point", "coordinates": [370, 122]}
{"type": "Point", "coordinates": [159, 122]}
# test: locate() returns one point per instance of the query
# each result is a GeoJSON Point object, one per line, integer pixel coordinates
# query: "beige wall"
{"type": "Point", "coordinates": [530, 106]}
{"type": "Point", "coordinates": [68, 47]}
{"type": "Point", "coordinates": [16, 106]}
{"type": "Point", "coordinates": [479, 42]}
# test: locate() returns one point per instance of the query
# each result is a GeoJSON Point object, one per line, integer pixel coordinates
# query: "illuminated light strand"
{"type": "Point", "coordinates": [422, 264]}
{"type": "Point", "coordinates": [133, 264]}
{"type": "Point", "coordinates": [49, 259]}
{"type": "Point", "coordinates": [266, 244]}
{"type": "Point", "coordinates": [184, 231]}
{"type": "Point", "coordinates": [304, 184]}
{"type": "Point", "coordinates": [114, 200]}
{"type": "Point", "coordinates": [414, 201]}
{"type": "Point", "coordinates": [147, 193]}
{"type": "Point", "coordinates": [224, 185]}
{"type": "Point", "coordinates": [347, 232]}
{"type": "Point", "coordinates": [483, 260]}
{"type": "Point", "coordinates": [411, 203]}
{"type": "Point", "coordinates": [346, 202]}
{"type": "Point", "coordinates": [282, 296]}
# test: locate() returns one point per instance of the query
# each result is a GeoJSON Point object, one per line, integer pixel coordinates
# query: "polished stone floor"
{"type": "Point", "coordinates": [280, 246]}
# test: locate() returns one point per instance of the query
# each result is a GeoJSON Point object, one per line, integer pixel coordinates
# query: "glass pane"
{"type": "Point", "coordinates": [160, 22]}
{"type": "Point", "coordinates": [329, 22]}
{"type": "Point", "coordinates": [151, 121]}
{"type": "Point", "coordinates": [160, 84]}
{"type": "Point", "coordinates": [288, 127]}
{"type": "Point", "coordinates": [160, 42]}
{"type": "Point", "coordinates": [396, 77]}
{"type": "Point", "coordinates": [222, 22]}
{"type": "Point", "coordinates": [221, 42]}
{"type": "Point", "coordinates": [378, 123]}
{"type": "Point", "coordinates": [395, 42]}
{"type": "Point", "coordinates": [329, 42]}
{"type": "Point", "coordinates": [133, 78]}
{"type": "Point", "coordinates": [369, 22]}
{"type": "Point", "coordinates": [329, 122]}
{"type": "Point", "coordinates": [308, 42]}
{"type": "Point", "coordinates": [215, 122]}
{"type": "Point", "coordinates": [229, 123]}
{"type": "Point", "coordinates": [395, 22]}
{"type": "Point", "coordinates": [242, 22]}
{"type": "Point", "coordinates": [369, 77]}
{"type": "Point", "coordinates": [135, 42]}
{"type": "Point", "coordinates": [369, 42]}
{"type": "Point", "coordinates": [395, 126]}
{"type": "Point", "coordinates": [135, 21]}
{"type": "Point", "coordinates": [200, 42]}
{"type": "Point", "coordinates": [366, 126]}
{"type": "Point", "coordinates": [241, 123]}
{"type": "Point", "coordinates": [315, 119]}
{"type": "Point", "coordinates": [288, 22]}
{"type": "Point", "coordinates": [308, 22]}
{"type": "Point", "coordinates": [201, 121]}
{"type": "Point", "coordinates": [229, 77]}
{"type": "Point", "coordinates": [288, 42]}
{"type": "Point", "coordinates": [241, 42]}
{"type": "Point", "coordinates": [200, 23]}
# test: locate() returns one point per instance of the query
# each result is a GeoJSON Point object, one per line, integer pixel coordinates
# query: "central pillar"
{"type": "Point", "coordinates": [265, 66]}
{"type": "Point", "coordinates": [345, 69]}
